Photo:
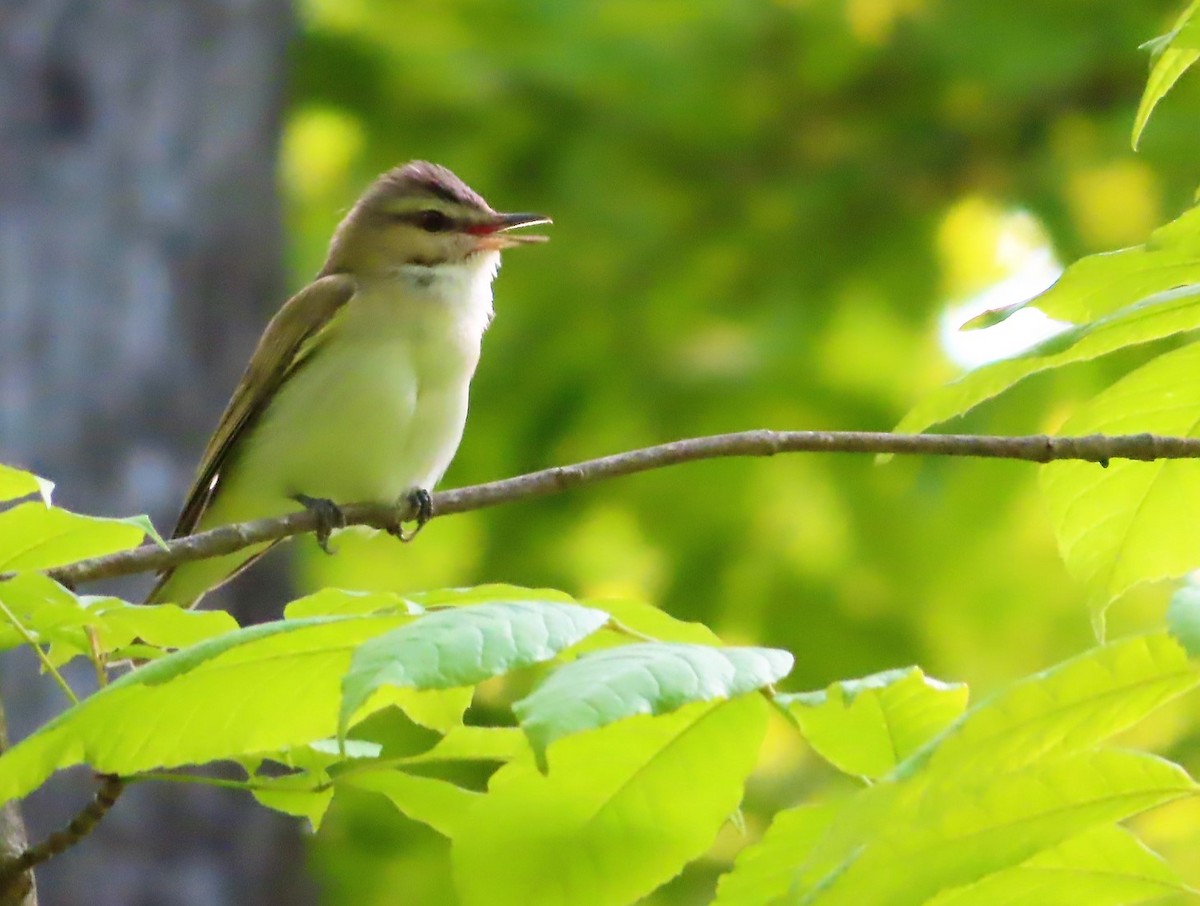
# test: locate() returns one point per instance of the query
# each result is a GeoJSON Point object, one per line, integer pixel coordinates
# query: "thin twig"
{"type": "Point", "coordinates": [37, 649]}
{"type": "Point", "coordinates": [1039, 448]}
{"type": "Point", "coordinates": [228, 539]}
{"type": "Point", "coordinates": [78, 828]}
{"type": "Point", "coordinates": [249, 786]}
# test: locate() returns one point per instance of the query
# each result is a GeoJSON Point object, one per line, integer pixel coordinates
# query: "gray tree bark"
{"type": "Point", "coordinates": [12, 843]}
{"type": "Point", "coordinates": [140, 248]}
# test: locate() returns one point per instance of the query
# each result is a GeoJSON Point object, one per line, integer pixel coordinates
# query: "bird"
{"type": "Point", "coordinates": [358, 387]}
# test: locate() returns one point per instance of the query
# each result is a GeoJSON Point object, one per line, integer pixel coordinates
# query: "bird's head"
{"type": "Point", "coordinates": [422, 214]}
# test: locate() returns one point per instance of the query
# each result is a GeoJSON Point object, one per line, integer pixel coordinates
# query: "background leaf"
{"type": "Point", "coordinates": [1174, 54]}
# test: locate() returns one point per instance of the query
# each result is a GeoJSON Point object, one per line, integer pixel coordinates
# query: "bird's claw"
{"type": "Point", "coordinates": [329, 517]}
{"type": "Point", "coordinates": [419, 500]}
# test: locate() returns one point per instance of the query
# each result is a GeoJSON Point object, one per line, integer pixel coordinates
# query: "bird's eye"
{"type": "Point", "coordinates": [434, 221]}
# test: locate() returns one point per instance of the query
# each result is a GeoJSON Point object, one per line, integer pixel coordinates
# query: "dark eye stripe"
{"type": "Point", "coordinates": [430, 220]}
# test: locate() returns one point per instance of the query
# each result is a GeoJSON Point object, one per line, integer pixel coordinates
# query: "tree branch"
{"type": "Point", "coordinates": [227, 539]}
{"type": "Point", "coordinates": [78, 828]}
{"type": "Point", "coordinates": [1039, 448]}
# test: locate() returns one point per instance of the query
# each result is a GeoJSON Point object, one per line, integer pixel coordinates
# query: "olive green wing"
{"type": "Point", "coordinates": [289, 338]}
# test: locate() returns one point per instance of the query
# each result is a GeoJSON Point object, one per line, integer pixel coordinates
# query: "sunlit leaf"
{"type": "Point", "coordinates": [482, 594]}
{"type": "Point", "coordinates": [1133, 521]}
{"type": "Point", "coordinates": [1152, 318]}
{"type": "Point", "coordinates": [255, 690]}
{"type": "Point", "coordinates": [338, 601]}
{"type": "Point", "coordinates": [1174, 54]}
{"type": "Point", "coordinates": [1017, 774]}
{"type": "Point", "coordinates": [16, 483]}
{"type": "Point", "coordinates": [438, 709]}
{"type": "Point", "coordinates": [1105, 866]}
{"type": "Point", "coordinates": [320, 754]}
{"type": "Point", "coordinates": [644, 678]}
{"type": "Point", "coordinates": [475, 744]}
{"type": "Point", "coordinates": [49, 612]}
{"type": "Point", "coordinates": [764, 870]}
{"type": "Point", "coordinates": [1183, 618]}
{"type": "Point", "coordinates": [35, 536]}
{"type": "Point", "coordinates": [938, 837]}
{"type": "Point", "coordinates": [288, 795]}
{"type": "Point", "coordinates": [867, 726]}
{"type": "Point", "coordinates": [464, 646]}
{"type": "Point", "coordinates": [309, 792]}
{"type": "Point", "coordinates": [622, 809]}
{"type": "Point", "coordinates": [1067, 709]}
{"type": "Point", "coordinates": [118, 623]}
{"type": "Point", "coordinates": [438, 803]}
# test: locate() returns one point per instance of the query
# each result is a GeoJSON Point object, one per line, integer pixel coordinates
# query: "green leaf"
{"type": "Point", "coordinates": [35, 536]}
{"type": "Point", "coordinates": [59, 618]}
{"type": "Point", "coordinates": [320, 755]}
{"type": "Point", "coordinates": [1151, 318]}
{"type": "Point", "coordinates": [486, 594]}
{"type": "Point", "coordinates": [309, 792]}
{"type": "Point", "coordinates": [1175, 52]}
{"type": "Point", "coordinates": [51, 613]}
{"type": "Point", "coordinates": [1065, 710]}
{"type": "Point", "coordinates": [643, 678]}
{"type": "Point", "coordinates": [1166, 72]}
{"type": "Point", "coordinates": [256, 690]}
{"type": "Point", "coordinates": [1105, 866]}
{"type": "Point", "coordinates": [955, 808]}
{"type": "Point", "coordinates": [16, 483]}
{"type": "Point", "coordinates": [343, 602]}
{"type": "Point", "coordinates": [763, 872]}
{"type": "Point", "coordinates": [475, 744]}
{"type": "Point", "coordinates": [622, 809]}
{"type": "Point", "coordinates": [1183, 618]}
{"type": "Point", "coordinates": [284, 795]}
{"type": "Point", "coordinates": [464, 646]}
{"type": "Point", "coordinates": [868, 726]}
{"type": "Point", "coordinates": [938, 836]}
{"type": "Point", "coordinates": [1133, 521]}
{"type": "Point", "coordinates": [437, 803]}
{"type": "Point", "coordinates": [438, 709]}
{"type": "Point", "coordinates": [118, 623]}
{"type": "Point", "coordinates": [648, 620]}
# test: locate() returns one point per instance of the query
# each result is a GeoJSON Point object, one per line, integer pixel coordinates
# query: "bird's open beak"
{"type": "Point", "coordinates": [493, 234]}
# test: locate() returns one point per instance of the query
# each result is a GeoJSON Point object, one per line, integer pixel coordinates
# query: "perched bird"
{"type": "Point", "coordinates": [358, 387]}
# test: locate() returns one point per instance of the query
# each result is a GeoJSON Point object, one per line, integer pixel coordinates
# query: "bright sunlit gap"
{"type": "Point", "coordinates": [991, 258]}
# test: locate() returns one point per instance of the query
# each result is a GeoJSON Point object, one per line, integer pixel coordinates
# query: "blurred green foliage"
{"type": "Point", "coordinates": [762, 210]}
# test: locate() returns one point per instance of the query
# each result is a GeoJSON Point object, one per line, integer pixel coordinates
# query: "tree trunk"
{"type": "Point", "coordinates": [12, 843]}
{"type": "Point", "coordinates": [140, 255]}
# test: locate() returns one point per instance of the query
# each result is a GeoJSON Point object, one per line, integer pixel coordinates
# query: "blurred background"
{"type": "Point", "coordinates": [768, 213]}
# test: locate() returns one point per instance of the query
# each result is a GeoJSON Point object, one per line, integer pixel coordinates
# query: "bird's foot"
{"type": "Point", "coordinates": [418, 500]}
{"type": "Point", "coordinates": [329, 517]}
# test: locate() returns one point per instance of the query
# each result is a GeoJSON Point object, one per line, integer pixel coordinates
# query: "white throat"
{"type": "Point", "coordinates": [460, 289]}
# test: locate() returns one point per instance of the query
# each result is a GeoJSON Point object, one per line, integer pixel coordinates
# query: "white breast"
{"type": "Point", "coordinates": [380, 408]}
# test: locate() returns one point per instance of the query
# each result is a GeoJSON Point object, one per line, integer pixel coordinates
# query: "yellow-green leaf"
{"type": "Point", "coordinates": [622, 809]}
{"type": "Point", "coordinates": [867, 726]}
{"type": "Point", "coordinates": [1133, 521]}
